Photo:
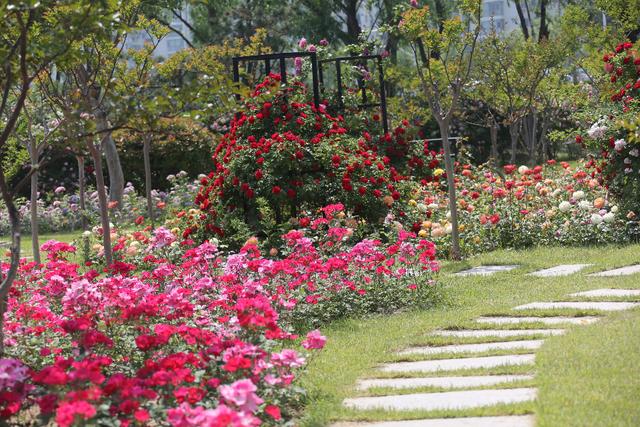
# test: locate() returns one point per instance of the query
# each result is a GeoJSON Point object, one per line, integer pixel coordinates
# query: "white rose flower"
{"type": "Point", "coordinates": [578, 195]}
{"type": "Point", "coordinates": [584, 205]}
{"type": "Point", "coordinates": [564, 206]}
{"type": "Point", "coordinates": [522, 170]}
{"type": "Point", "coordinates": [597, 130]}
{"type": "Point", "coordinates": [596, 219]}
{"type": "Point", "coordinates": [433, 206]}
{"type": "Point", "coordinates": [615, 209]}
{"type": "Point", "coordinates": [635, 152]}
{"type": "Point", "coordinates": [619, 144]}
{"type": "Point", "coordinates": [609, 217]}
{"type": "Point", "coordinates": [448, 215]}
{"type": "Point", "coordinates": [422, 207]}
{"type": "Point", "coordinates": [448, 229]}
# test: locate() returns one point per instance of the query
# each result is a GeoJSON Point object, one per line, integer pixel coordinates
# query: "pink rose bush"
{"type": "Point", "coordinates": [180, 334]}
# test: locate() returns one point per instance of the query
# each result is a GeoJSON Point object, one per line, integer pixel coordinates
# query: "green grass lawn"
{"type": "Point", "coordinates": [592, 369]}
{"type": "Point", "coordinates": [25, 241]}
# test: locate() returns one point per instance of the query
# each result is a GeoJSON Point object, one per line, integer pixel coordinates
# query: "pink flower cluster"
{"type": "Point", "coordinates": [192, 341]}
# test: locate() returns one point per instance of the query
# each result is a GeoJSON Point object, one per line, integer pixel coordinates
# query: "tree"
{"type": "Point", "coordinates": [35, 130]}
{"type": "Point", "coordinates": [443, 57]}
{"type": "Point", "coordinates": [34, 35]}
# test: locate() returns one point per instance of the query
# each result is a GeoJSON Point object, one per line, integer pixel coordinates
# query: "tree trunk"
{"type": "Point", "coordinates": [116, 176]}
{"type": "Point", "coordinates": [82, 190]}
{"type": "Point", "coordinates": [102, 197]}
{"type": "Point", "coordinates": [8, 279]}
{"type": "Point", "coordinates": [513, 133]}
{"type": "Point", "coordinates": [544, 28]}
{"type": "Point", "coordinates": [451, 185]}
{"type": "Point", "coordinates": [493, 133]}
{"type": "Point", "coordinates": [146, 150]}
{"type": "Point", "coordinates": [544, 141]}
{"type": "Point", "coordinates": [523, 20]}
{"type": "Point", "coordinates": [35, 244]}
{"type": "Point", "coordinates": [353, 26]}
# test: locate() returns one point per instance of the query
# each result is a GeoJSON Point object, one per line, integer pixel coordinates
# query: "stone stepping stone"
{"type": "Point", "coordinates": [507, 320]}
{"type": "Point", "coordinates": [602, 306]}
{"type": "Point", "coordinates": [623, 271]}
{"type": "Point", "coordinates": [498, 332]}
{"type": "Point", "coordinates": [560, 270]}
{"type": "Point", "coordinates": [486, 270]}
{"type": "Point", "coordinates": [462, 363]}
{"type": "Point", "coordinates": [445, 382]}
{"type": "Point", "coordinates": [464, 348]}
{"type": "Point", "coordinates": [503, 421]}
{"type": "Point", "coordinates": [608, 293]}
{"type": "Point", "coordinates": [446, 400]}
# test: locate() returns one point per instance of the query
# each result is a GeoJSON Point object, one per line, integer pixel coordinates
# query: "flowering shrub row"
{"type": "Point", "coordinates": [517, 207]}
{"type": "Point", "coordinates": [185, 335]}
{"type": "Point", "coordinates": [60, 211]}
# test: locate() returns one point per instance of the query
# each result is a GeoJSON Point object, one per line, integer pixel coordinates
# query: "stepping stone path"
{"type": "Point", "coordinates": [486, 270]}
{"type": "Point", "coordinates": [552, 320]}
{"type": "Point", "coordinates": [601, 306]}
{"type": "Point", "coordinates": [444, 382]}
{"type": "Point", "coordinates": [560, 270]}
{"type": "Point", "coordinates": [471, 397]}
{"type": "Point", "coordinates": [624, 271]}
{"type": "Point", "coordinates": [447, 400]}
{"type": "Point", "coordinates": [476, 348]}
{"type": "Point", "coordinates": [513, 421]}
{"type": "Point", "coordinates": [461, 363]}
{"type": "Point", "coordinates": [498, 332]}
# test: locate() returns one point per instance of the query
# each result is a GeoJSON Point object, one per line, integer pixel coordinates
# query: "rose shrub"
{"type": "Point", "coordinates": [613, 136]}
{"type": "Point", "coordinates": [283, 155]}
{"type": "Point", "coordinates": [184, 335]}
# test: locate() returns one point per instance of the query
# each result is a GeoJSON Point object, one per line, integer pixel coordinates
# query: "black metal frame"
{"type": "Point", "coordinates": [383, 97]}
{"type": "Point", "coordinates": [281, 58]}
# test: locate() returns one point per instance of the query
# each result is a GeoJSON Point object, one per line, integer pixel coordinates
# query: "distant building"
{"type": "Point", "coordinates": [502, 15]}
{"type": "Point", "coordinates": [171, 43]}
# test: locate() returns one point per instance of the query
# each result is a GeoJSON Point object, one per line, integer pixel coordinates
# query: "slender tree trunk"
{"type": "Point", "coordinates": [544, 28]}
{"type": "Point", "coordinates": [102, 197]}
{"type": "Point", "coordinates": [146, 150]}
{"type": "Point", "coordinates": [114, 167]}
{"type": "Point", "coordinates": [35, 244]}
{"type": "Point", "coordinates": [544, 141]}
{"type": "Point", "coordinates": [353, 26]}
{"type": "Point", "coordinates": [451, 185]}
{"type": "Point", "coordinates": [513, 133]}
{"type": "Point", "coordinates": [493, 133]}
{"type": "Point", "coordinates": [82, 190]}
{"type": "Point", "coordinates": [522, 19]}
{"type": "Point", "coordinates": [9, 277]}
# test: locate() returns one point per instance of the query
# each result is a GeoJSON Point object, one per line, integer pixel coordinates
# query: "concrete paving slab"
{"type": "Point", "coordinates": [477, 348]}
{"type": "Point", "coordinates": [446, 400]}
{"type": "Point", "coordinates": [623, 271]}
{"type": "Point", "coordinates": [508, 320]}
{"type": "Point", "coordinates": [560, 270]}
{"type": "Point", "coordinates": [601, 306]}
{"type": "Point", "coordinates": [503, 421]}
{"type": "Point", "coordinates": [462, 363]}
{"type": "Point", "coordinates": [445, 382]}
{"type": "Point", "coordinates": [463, 333]}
